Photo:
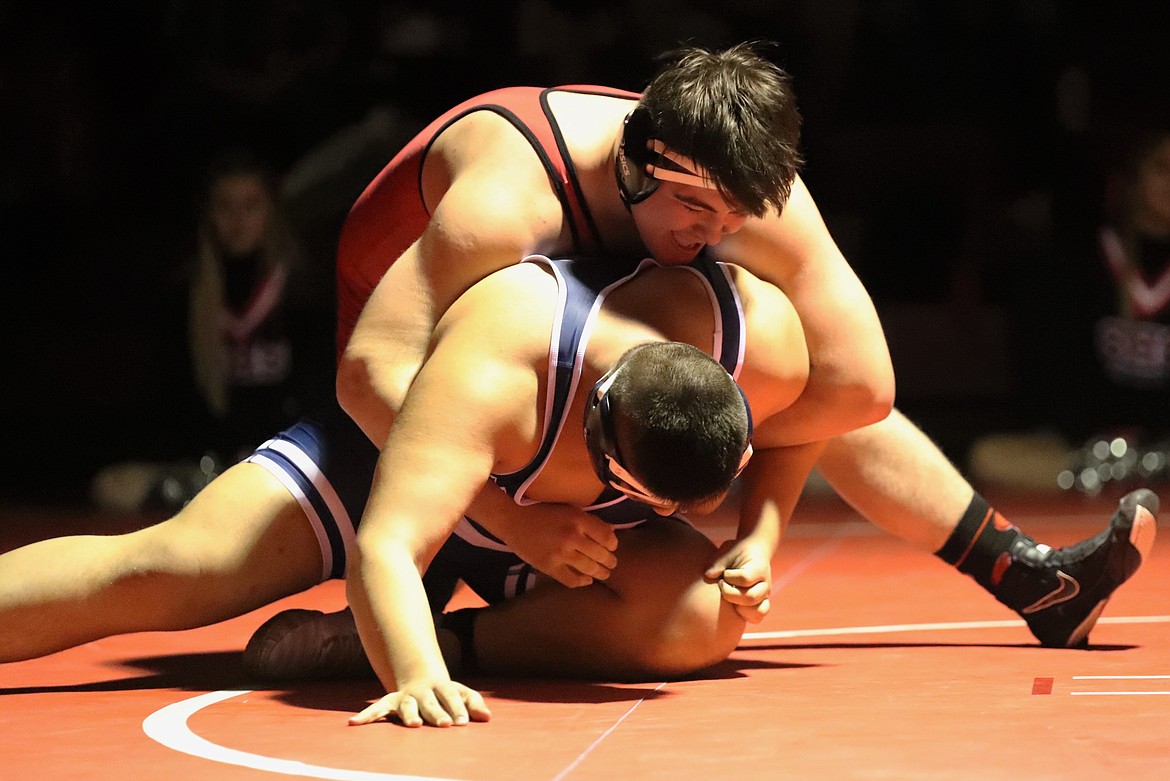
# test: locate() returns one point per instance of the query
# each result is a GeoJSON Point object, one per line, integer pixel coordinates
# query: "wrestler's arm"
{"type": "Point", "coordinates": [571, 546]}
{"type": "Point", "coordinates": [775, 374]}
{"type": "Point", "coordinates": [851, 382]}
{"type": "Point", "coordinates": [438, 455]}
{"type": "Point", "coordinates": [770, 488]}
{"type": "Point", "coordinates": [481, 224]}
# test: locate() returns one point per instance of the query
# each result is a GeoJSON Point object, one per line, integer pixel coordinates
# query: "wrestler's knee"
{"type": "Point", "coordinates": [699, 631]}
{"type": "Point", "coordinates": [675, 623]}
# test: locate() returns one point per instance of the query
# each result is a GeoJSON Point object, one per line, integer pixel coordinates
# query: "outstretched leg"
{"type": "Point", "coordinates": [241, 543]}
{"type": "Point", "coordinates": [897, 478]}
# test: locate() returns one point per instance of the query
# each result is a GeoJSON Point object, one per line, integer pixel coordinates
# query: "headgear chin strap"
{"type": "Point", "coordinates": [642, 161]}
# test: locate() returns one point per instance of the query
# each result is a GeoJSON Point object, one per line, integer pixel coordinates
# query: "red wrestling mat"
{"type": "Point", "coordinates": [877, 662]}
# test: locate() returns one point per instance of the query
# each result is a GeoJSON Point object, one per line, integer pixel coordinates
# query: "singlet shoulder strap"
{"type": "Point", "coordinates": [582, 287]}
{"type": "Point", "coordinates": [528, 110]}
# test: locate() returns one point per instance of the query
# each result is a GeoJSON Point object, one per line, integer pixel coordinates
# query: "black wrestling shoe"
{"type": "Point", "coordinates": [1060, 592]}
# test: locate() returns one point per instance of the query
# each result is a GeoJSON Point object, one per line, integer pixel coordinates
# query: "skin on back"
{"type": "Point", "coordinates": [506, 318]}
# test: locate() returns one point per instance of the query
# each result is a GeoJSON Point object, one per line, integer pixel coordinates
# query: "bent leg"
{"type": "Point", "coordinates": [654, 617]}
{"type": "Point", "coordinates": [241, 543]}
{"type": "Point", "coordinates": [892, 474]}
{"type": "Point", "coordinates": [896, 477]}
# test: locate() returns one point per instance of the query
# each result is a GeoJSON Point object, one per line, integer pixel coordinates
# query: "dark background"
{"type": "Point", "coordinates": [957, 150]}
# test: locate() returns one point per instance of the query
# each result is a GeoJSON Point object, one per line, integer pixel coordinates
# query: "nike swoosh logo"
{"type": "Point", "coordinates": [1068, 588]}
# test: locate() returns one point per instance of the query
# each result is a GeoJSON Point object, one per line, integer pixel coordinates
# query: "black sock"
{"type": "Point", "coordinates": [461, 623]}
{"type": "Point", "coordinates": [981, 545]}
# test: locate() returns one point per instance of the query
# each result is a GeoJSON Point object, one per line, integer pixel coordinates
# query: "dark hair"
{"type": "Point", "coordinates": [734, 113]}
{"type": "Point", "coordinates": [688, 420]}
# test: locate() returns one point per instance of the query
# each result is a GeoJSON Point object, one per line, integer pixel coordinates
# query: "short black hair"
{"type": "Point", "coordinates": [733, 112]}
{"type": "Point", "coordinates": [689, 421]}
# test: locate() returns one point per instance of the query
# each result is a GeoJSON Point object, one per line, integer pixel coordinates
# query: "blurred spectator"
{"type": "Point", "coordinates": [1104, 369]}
{"type": "Point", "coordinates": [1128, 308]}
{"type": "Point", "coordinates": [247, 286]}
{"type": "Point", "coordinates": [1132, 339]}
{"type": "Point", "coordinates": [246, 263]}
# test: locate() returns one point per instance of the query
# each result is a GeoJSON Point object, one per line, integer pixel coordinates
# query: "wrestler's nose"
{"type": "Point", "coordinates": [723, 226]}
{"type": "Point", "coordinates": [714, 234]}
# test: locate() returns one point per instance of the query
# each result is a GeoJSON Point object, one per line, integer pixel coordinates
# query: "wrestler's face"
{"type": "Point", "coordinates": [678, 220]}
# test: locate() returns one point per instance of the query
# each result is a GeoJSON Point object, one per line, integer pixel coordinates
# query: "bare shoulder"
{"type": "Point", "coordinates": [510, 309]}
{"type": "Point", "coordinates": [776, 356]}
{"type": "Point", "coordinates": [486, 188]}
{"type": "Point", "coordinates": [785, 248]}
{"type": "Point", "coordinates": [483, 145]}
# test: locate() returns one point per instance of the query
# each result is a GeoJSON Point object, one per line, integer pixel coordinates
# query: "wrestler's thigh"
{"type": "Point", "coordinates": [245, 529]}
{"type": "Point", "coordinates": [677, 620]}
{"type": "Point", "coordinates": [662, 555]}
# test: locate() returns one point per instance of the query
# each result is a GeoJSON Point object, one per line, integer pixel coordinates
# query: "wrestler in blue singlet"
{"type": "Point", "coordinates": [328, 463]}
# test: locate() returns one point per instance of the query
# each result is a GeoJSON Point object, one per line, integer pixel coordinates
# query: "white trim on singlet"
{"type": "Point", "coordinates": [281, 474]}
{"type": "Point", "coordinates": [743, 331]}
{"type": "Point", "coordinates": [310, 470]}
{"type": "Point", "coordinates": [554, 352]}
{"type": "Point", "coordinates": [578, 358]}
{"type": "Point", "coordinates": [717, 313]}
{"type": "Point", "coordinates": [473, 536]}
{"type": "Point", "coordinates": [587, 330]}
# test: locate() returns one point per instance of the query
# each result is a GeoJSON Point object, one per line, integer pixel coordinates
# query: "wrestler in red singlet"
{"type": "Point", "coordinates": [390, 215]}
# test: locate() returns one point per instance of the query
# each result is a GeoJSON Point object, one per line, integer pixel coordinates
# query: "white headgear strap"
{"type": "Point", "coordinates": [682, 169]}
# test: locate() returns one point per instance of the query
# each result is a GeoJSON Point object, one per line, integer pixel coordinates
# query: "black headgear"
{"type": "Point", "coordinates": [633, 156]}
{"type": "Point", "coordinates": [643, 160]}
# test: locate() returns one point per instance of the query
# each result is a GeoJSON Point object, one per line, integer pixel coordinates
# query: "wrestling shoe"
{"type": "Point", "coordinates": [1060, 592]}
{"type": "Point", "coordinates": [307, 644]}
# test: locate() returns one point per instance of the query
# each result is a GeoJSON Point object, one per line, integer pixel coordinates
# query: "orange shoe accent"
{"type": "Point", "coordinates": [1001, 565]}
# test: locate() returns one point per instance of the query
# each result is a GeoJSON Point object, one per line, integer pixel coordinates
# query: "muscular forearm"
{"type": "Point", "coordinates": [771, 487]}
{"type": "Point", "coordinates": [831, 405]}
{"type": "Point", "coordinates": [393, 617]}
